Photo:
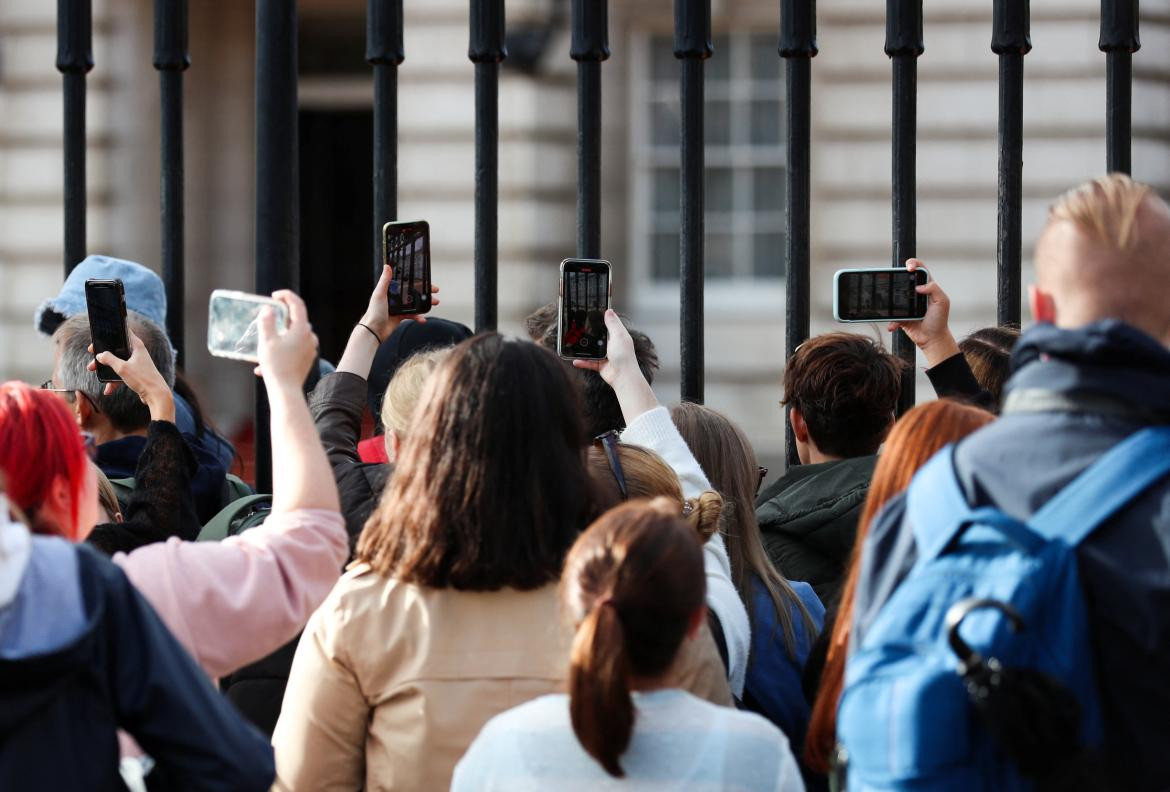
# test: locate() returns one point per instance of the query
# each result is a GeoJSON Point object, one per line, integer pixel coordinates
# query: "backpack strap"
{"type": "Point", "coordinates": [1108, 485]}
{"type": "Point", "coordinates": [219, 526]}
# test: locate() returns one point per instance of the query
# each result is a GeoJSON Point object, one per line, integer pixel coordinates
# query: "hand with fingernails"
{"type": "Point", "coordinates": [377, 316]}
{"type": "Point", "coordinates": [140, 375]}
{"type": "Point", "coordinates": [620, 369]}
{"type": "Point", "coordinates": [933, 334]}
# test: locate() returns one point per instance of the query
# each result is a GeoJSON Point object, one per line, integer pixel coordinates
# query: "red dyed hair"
{"type": "Point", "coordinates": [915, 438]}
{"type": "Point", "coordinates": [39, 443]}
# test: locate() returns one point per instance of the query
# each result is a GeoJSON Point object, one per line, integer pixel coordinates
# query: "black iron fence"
{"type": "Point", "coordinates": [277, 199]}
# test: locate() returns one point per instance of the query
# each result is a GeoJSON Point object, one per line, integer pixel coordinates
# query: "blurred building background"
{"type": "Point", "coordinates": [957, 157]}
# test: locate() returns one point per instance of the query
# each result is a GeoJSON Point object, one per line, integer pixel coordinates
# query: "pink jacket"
{"type": "Point", "coordinates": [230, 603]}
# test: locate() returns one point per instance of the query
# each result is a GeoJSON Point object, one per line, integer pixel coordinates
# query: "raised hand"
{"type": "Point", "coordinates": [377, 316]}
{"type": "Point", "coordinates": [285, 358]}
{"type": "Point", "coordinates": [933, 334]}
{"type": "Point", "coordinates": [140, 375]}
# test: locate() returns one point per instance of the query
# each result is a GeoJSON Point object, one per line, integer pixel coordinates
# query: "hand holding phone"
{"type": "Point", "coordinates": [880, 294]}
{"type": "Point", "coordinates": [233, 323]}
{"type": "Point", "coordinates": [105, 302]}
{"type": "Point", "coordinates": [583, 298]}
{"type": "Point", "coordinates": [406, 249]}
{"type": "Point", "coordinates": [933, 333]}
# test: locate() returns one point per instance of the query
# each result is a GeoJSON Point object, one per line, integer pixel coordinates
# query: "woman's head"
{"type": "Point", "coordinates": [634, 587]}
{"type": "Point", "coordinates": [646, 475]}
{"type": "Point", "coordinates": [44, 460]}
{"type": "Point", "coordinates": [403, 395]}
{"type": "Point", "coordinates": [727, 457]}
{"type": "Point", "coordinates": [490, 488]}
{"type": "Point", "coordinates": [916, 437]}
{"type": "Point", "coordinates": [109, 509]}
{"type": "Point", "coordinates": [989, 354]}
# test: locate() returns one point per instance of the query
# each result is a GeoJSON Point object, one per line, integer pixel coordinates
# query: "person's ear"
{"type": "Point", "coordinates": [82, 409]}
{"type": "Point", "coordinates": [1042, 305]}
{"type": "Point", "coordinates": [57, 507]}
{"type": "Point", "coordinates": [799, 427]}
{"type": "Point", "coordinates": [696, 621]}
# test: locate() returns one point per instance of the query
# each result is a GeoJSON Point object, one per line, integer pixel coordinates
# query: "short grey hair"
{"type": "Point", "coordinates": [124, 409]}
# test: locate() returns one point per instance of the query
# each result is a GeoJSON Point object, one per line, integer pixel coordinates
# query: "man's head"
{"type": "Point", "coordinates": [842, 389]}
{"type": "Point", "coordinates": [122, 412]}
{"type": "Point", "coordinates": [1105, 254]}
{"type": "Point", "coordinates": [602, 411]}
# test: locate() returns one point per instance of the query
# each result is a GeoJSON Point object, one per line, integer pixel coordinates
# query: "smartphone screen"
{"type": "Point", "coordinates": [879, 295]}
{"type": "Point", "coordinates": [585, 294]}
{"type": "Point", "coordinates": [106, 304]}
{"type": "Point", "coordinates": [233, 323]}
{"type": "Point", "coordinates": [406, 247]}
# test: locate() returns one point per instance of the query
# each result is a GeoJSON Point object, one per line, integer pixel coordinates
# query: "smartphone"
{"type": "Point", "coordinates": [882, 294]}
{"type": "Point", "coordinates": [583, 298]}
{"type": "Point", "coordinates": [105, 300]}
{"type": "Point", "coordinates": [406, 248]}
{"type": "Point", "coordinates": [233, 323]}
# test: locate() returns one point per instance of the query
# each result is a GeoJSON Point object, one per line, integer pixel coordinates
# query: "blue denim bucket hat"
{"type": "Point", "coordinates": [144, 292]}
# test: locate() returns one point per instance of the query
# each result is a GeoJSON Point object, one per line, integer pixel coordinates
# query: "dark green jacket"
{"type": "Point", "coordinates": [808, 518]}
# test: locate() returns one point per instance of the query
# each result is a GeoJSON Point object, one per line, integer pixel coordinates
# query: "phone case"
{"type": "Point", "coordinates": [232, 331]}
{"type": "Point", "coordinates": [561, 309]}
{"type": "Point", "coordinates": [423, 304]}
{"type": "Point", "coordinates": [837, 291]}
{"type": "Point", "coordinates": [105, 373]}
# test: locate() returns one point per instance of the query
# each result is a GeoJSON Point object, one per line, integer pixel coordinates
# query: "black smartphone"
{"type": "Point", "coordinates": [882, 294]}
{"type": "Point", "coordinates": [406, 247]}
{"type": "Point", "coordinates": [584, 296]}
{"type": "Point", "coordinates": [105, 301]}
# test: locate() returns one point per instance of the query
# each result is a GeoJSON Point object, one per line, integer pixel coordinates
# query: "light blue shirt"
{"type": "Point", "coordinates": [679, 742]}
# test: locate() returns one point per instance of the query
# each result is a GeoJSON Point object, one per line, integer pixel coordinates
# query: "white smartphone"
{"type": "Point", "coordinates": [583, 298]}
{"type": "Point", "coordinates": [233, 326]}
{"type": "Point", "coordinates": [880, 294]}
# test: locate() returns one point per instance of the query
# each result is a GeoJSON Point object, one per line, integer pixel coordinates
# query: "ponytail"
{"type": "Point", "coordinates": [600, 706]}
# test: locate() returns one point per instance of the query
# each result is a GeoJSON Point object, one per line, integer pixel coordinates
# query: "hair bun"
{"type": "Point", "coordinates": [705, 513]}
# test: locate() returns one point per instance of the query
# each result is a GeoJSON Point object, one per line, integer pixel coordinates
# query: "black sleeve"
{"type": "Point", "coordinates": [161, 505]}
{"type": "Point", "coordinates": [166, 702]}
{"type": "Point", "coordinates": [953, 379]}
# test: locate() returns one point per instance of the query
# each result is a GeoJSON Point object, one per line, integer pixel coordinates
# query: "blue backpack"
{"type": "Point", "coordinates": [999, 589]}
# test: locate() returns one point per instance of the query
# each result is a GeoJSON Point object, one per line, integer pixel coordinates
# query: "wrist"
{"type": "Point", "coordinates": [161, 404]}
{"type": "Point", "coordinates": [939, 349]}
{"type": "Point", "coordinates": [371, 331]}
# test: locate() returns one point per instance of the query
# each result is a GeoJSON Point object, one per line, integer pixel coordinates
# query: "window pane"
{"type": "Point", "coordinates": [666, 189]}
{"type": "Point", "coordinates": [663, 65]}
{"type": "Point", "coordinates": [718, 256]}
{"type": "Point", "coordinates": [765, 58]}
{"type": "Point", "coordinates": [717, 123]}
{"type": "Point", "coordinates": [664, 124]}
{"type": "Point", "coordinates": [718, 66]}
{"type": "Point", "coordinates": [765, 115]}
{"type": "Point", "coordinates": [768, 189]}
{"type": "Point", "coordinates": [718, 190]}
{"type": "Point", "coordinates": [665, 257]}
{"type": "Point", "coordinates": [768, 256]}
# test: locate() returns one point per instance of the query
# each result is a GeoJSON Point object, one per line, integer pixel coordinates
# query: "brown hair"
{"type": "Point", "coordinates": [846, 387]}
{"type": "Point", "coordinates": [491, 487]}
{"type": "Point", "coordinates": [989, 354]}
{"type": "Point", "coordinates": [727, 457]}
{"type": "Point", "coordinates": [632, 584]}
{"type": "Point", "coordinates": [648, 476]}
{"type": "Point", "coordinates": [107, 497]}
{"type": "Point", "coordinates": [916, 437]}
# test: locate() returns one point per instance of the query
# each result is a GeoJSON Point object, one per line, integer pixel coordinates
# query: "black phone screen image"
{"type": "Point", "coordinates": [880, 295]}
{"type": "Point", "coordinates": [585, 297]}
{"type": "Point", "coordinates": [107, 323]}
{"type": "Point", "coordinates": [407, 249]}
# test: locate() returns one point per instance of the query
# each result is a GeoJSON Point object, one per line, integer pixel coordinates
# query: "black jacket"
{"type": "Point", "coordinates": [1019, 462]}
{"type": "Point", "coordinates": [337, 405]}
{"type": "Point", "coordinates": [59, 710]}
{"type": "Point", "coordinates": [808, 518]}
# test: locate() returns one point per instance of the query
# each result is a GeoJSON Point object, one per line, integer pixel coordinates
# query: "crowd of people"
{"type": "Point", "coordinates": [536, 576]}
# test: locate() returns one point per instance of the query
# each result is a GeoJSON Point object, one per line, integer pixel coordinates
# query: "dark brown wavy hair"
{"type": "Point", "coordinates": [633, 584]}
{"type": "Point", "coordinates": [916, 437]}
{"type": "Point", "coordinates": [491, 487]}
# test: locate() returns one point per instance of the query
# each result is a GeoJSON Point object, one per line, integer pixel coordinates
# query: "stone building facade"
{"type": "Point", "coordinates": [1064, 143]}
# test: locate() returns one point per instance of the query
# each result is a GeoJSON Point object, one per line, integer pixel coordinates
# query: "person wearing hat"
{"type": "Point", "coordinates": [145, 295]}
{"type": "Point", "coordinates": [376, 352]}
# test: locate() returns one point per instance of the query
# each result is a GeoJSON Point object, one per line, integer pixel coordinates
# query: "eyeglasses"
{"type": "Point", "coordinates": [609, 442]}
{"type": "Point", "coordinates": [760, 483]}
{"type": "Point", "coordinates": [47, 385]}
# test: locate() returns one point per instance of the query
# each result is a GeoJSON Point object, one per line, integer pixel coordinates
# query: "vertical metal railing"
{"type": "Point", "coordinates": [487, 50]}
{"type": "Point", "coordinates": [277, 182]}
{"type": "Point", "coordinates": [171, 59]}
{"type": "Point", "coordinates": [798, 46]}
{"type": "Point", "coordinates": [589, 47]}
{"type": "Point", "coordinates": [74, 60]}
{"type": "Point", "coordinates": [904, 45]}
{"type": "Point", "coordinates": [384, 52]}
{"type": "Point", "coordinates": [692, 46]}
{"type": "Point", "coordinates": [1011, 41]}
{"type": "Point", "coordinates": [1119, 40]}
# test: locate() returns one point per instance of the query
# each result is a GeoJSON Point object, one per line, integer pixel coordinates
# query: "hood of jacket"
{"type": "Point", "coordinates": [809, 498]}
{"type": "Point", "coordinates": [1107, 358]}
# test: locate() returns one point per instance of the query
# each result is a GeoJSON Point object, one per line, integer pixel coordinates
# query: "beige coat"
{"type": "Point", "coordinates": [392, 681]}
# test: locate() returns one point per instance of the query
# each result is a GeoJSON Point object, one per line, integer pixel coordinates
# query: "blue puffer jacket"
{"type": "Point", "coordinates": [81, 655]}
{"type": "Point", "coordinates": [1019, 462]}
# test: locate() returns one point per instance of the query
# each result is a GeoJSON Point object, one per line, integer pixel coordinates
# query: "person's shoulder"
{"type": "Point", "coordinates": [537, 715]}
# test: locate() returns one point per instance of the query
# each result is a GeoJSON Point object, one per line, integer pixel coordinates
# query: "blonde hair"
{"type": "Point", "coordinates": [406, 388]}
{"type": "Point", "coordinates": [107, 496]}
{"type": "Point", "coordinates": [1105, 209]}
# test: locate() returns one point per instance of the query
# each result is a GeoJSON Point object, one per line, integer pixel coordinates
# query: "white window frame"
{"type": "Point", "coordinates": [722, 296]}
